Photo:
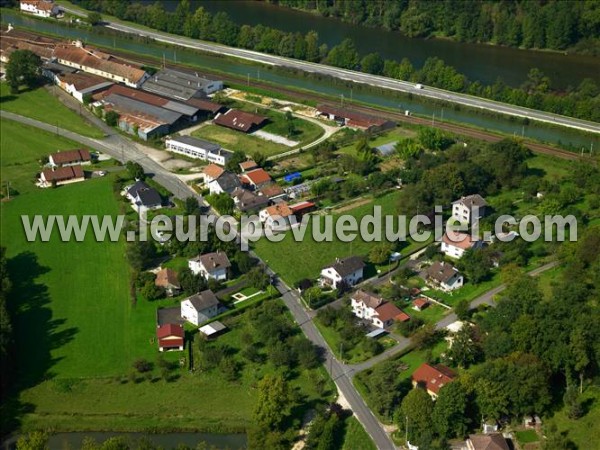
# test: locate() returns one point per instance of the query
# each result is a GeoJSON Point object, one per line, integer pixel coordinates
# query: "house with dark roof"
{"type": "Point", "coordinates": [167, 279]}
{"type": "Point", "coordinates": [469, 209]}
{"type": "Point", "coordinates": [200, 307]}
{"type": "Point", "coordinates": [432, 378]}
{"type": "Point", "coordinates": [347, 271]}
{"type": "Point", "coordinates": [240, 120]}
{"type": "Point", "coordinates": [492, 441]}
{"type": "Point", "coordinates": [198, 148]}
{"type": "Point", "coordinates": [376, 310]}
{"type": "Point", "coordinates": [61, 175]}
{"type": "Point", "coordinates": [247, 201]}
{"type": "Point", "coordinates": [227, 182]}
{"type": "Point", "coordinates": [210, 265]}
{"type": "Point", "coordinates": [143, 196]}
{"type": "Point", "coordinates": [70, 158]}
{"type": "Point", "coordinates": [443, 276]}
{"type": "Point", "coordinates": [170, 337]}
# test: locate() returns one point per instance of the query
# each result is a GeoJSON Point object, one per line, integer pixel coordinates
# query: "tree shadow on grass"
{"type": "Point", "coordinates": [36, 333]}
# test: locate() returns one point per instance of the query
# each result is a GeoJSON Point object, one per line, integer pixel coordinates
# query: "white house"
{"type": "Point", "coordinates": [455, 244]}
{"type": "Point", "coordinates": [444, 276]}
{"type": "Point", "coordinates": [276, 216]}
{"type": "Point", "coordinates": [200, 307]}
{"type": "Point", "coordinates": [143, 196]}
{"type": "Point", "coordinates": [210, 265]}
{"type": "Point", "coordinates": [376, 310]}
{"type": "Point", "coordinates": [227, 182]}
{"type": "Point", "coordinates": [41, 8]}
{"type": "Point", "coordinates": [469, 209]}
{"type": "Point", "coordinates": [347, 271]}
{"type": "Point", "coordinates": [199, 149]}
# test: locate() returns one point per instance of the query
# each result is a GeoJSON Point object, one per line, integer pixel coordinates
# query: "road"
{"type": "Point", "coordinates": [358, 77]}
{"type": "Point", "coordinates": [119, 148]}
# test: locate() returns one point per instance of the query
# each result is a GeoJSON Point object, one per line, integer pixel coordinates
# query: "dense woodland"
{"type": "Point", "coordinates": [556, 25]}
{"type": "Point", "coordinates": [6, 336]}
{"type": "Point", "coordinates": [581, 101]}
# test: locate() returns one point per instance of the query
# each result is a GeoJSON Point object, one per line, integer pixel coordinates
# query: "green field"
{"type": "Point", "coordinates": [22, 149]}
{"type": "Point", "coordinates": [584, 432]}
{"type": "Point", "coordinates": [355, 437]}
{"type": "Point", "coordinates": [304, 259]}
{"type": "Point", "coordinates": [41, 105]}
{"type": "Point", "coordinates": [236, 140]}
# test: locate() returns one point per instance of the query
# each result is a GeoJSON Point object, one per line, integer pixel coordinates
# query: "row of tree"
{"type": "Point", "coordinates": [583, 102]}
{"type": "Point", "coordinates": [516, 23]}
{"type": "Point", "coordinates": [6, 330]}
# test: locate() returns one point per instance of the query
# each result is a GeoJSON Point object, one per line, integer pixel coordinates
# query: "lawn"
{"type": "Point", "coordinates": [236, 140]}
{"type": "Point", "coordinates": [41, 105]}
{"type": "Point", "coordinates": [348, 354]}
{"type": "Point", "coordinates": [584, 432]}
{"type": "Point", "coordinates": [22, 148]}
{"type": "Point", "coordinates": [355, 436]}
{"type": "Point", "coordinates": [432, 314]}
{"type": "Point", "coordinates": [527, 437]}
{"type": "Point", "coordinates": [120, 404]}
{"type": "Point", "coordinates": [294, 260]}
{"type": "Point", "coordinates": [394, 135]}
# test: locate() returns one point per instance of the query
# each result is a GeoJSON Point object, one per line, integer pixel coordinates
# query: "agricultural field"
{"type": "Point", "coordinates": [22, 149]}
{"type": "Point", "coordinates": [41, 105]}
{"type": "Point", "coordinates": [283, 257]}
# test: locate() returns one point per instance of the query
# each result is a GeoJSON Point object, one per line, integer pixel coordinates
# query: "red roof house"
{"type": "Point", "coordinates": [170, 337]}
{"type": "Point", "coordinates": [257, 178]}
{"type": "Point", "coordinates": [433, 378]}
{"type": "Point", "coordinates": [420, 304]}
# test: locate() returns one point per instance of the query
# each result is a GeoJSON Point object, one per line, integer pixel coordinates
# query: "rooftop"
{"type": "Point", "coordinates": [371, 300]}
{"type": "Point", "coordinates": [213, 261]}
{"type": "Point", "coordinates": [279, 210]}
{"type": "Point", "coordinates": [456, 239]}
{"type": "Point", "coordinates": [257, 176]}
{"type": "Point", "coordinates": [71, 156]}
{"type": "Point", "coordinates": [433, 377]}
{"type": "Point", "coordinates": [198, 143]}
{"type": "Point", "coordinates": [142, 109]}
{"type": "Point", "coordinates": [472, 200]}
{"type": "Point", "coordinates": [166, 278]}
{"type": "Point", "coordinates": [441, 271]}
{"type": "Point", "coordinates": [355, 117]}
{"type": "Point", "coordinates": [493, 441]}
{"type": "Point", "coordinates": [239, 120]}
{"type": "Point", "coordinates": [348, 265]}
{"type": "Point", "coordinates": [203, 300]}
{"type": "Point", "coordinates": [151, 99]}
{"type": "Point", "coordinates": [176, 84]}
{"type": "Point", "coordinates": [63, 173]}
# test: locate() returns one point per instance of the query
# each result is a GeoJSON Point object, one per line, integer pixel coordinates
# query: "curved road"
{"type": "Point", "coordinates": [358, 77]}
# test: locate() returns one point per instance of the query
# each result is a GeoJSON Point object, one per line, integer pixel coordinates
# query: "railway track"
{"type": "Point", "coordinates": [395, 116]}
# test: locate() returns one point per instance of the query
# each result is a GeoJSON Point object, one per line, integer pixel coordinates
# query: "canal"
{"type": "Point", "coordinates": [485, 63]}
{"type": "Point", "coordinates": [563, 136]}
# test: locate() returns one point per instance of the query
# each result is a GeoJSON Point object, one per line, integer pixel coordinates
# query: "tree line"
{"type": "Point", "coordinates": [582, 101]}
{"type": "Point", "coordinates": [556, 25]}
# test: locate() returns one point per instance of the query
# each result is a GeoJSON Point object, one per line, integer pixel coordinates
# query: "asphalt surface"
{"type": "Point", "coordinates": [359, 77]}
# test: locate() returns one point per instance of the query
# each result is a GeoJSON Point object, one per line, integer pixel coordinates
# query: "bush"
{"type": "Point", "coordinates": [142, 365]}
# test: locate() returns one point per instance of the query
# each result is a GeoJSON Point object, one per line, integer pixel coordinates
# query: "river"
{"type": "Point", "coordinates": [485, 63]}
{"type": "Point", "coordinates": [244, 69]}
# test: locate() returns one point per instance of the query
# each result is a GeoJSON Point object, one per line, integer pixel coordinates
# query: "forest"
{"type": "Point", "coordinates": [555, 25]}
{"type": "Point", "coordinates": [581, 101]}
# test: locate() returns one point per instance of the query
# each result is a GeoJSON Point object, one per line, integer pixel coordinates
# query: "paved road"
{"type": "Point", "coordinates": [373, 80]}
{"type": "Point", "coordinates": [120, 149]}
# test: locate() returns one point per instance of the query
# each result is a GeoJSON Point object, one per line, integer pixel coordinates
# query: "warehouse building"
{"type": "Point", "coordinates": [181, 85]}
{"type": "Point", "coordinates": [198, 148]}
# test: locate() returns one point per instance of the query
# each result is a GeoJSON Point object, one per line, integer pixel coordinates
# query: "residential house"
{"type": "Point", "coordinates": [379, 312]}
{"type": "Point", "coordinates": [227, 182]}
{"type": "Point", "coordinates": [210, 265]}
{"type": "Point", "coordinates": [420, 304]}
{"type": "Point", "coordinates": [200, 307]}
{"type": "Point", "coordinates": [346, 271]}
{"type": "Point", "coordinates": [61, 175]}
{"type": "Point", "coordinates": [432, 378]}
{"type": "Point", "coordinates": [249, 165]}
{"type": "Point", "coordinates": [143, 196]}
{"type": "Point", "coordinates": [273, 192]}
{"type": "Point", "coordinates": [493, 441]}
{"type": "Point", "coordinates": [199, 149]}
{"type": "Point", "coordinates": [182, 86]}
{"type": "Point", "coordinates": [247, 201]}
{"type": "Point", "coordinates": [211, 173]}
{"type": "Point", "coordinates": [240, 120]}
{"type": "Point", "coordinates": [444, 276]}
{"type": "Point", "coordinates": [70, 158]}
{"type": "Point", "coordinates": [469, 209]}
{"type": "Point", "coordinates": [41, 8]}
{"type": "Point", "coordinates": [167, 279]}
{"type": "Point", "coordinates": [257, 178]}
{"type": "Point", "coordinates": [455, 244]}
{"type": "Point", "coordinates": [302, 208]}
{"type": "Point", "coordinates": [276, 217]}
{"type": "Point", "coordinates": [170, 337]}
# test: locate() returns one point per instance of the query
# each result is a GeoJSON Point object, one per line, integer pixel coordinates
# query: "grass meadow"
{"type": "Point", "coordinates": [41, 105]}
